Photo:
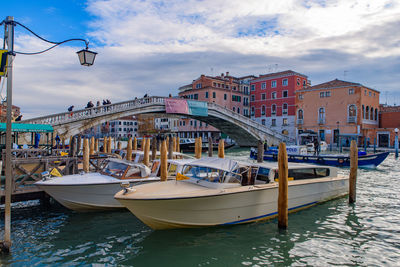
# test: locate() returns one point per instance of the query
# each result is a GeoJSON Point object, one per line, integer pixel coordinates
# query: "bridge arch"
{"type": "Point", "coordinates": [243, 130]}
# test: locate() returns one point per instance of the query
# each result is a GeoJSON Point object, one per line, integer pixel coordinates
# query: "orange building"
{"type": "Point", "coordinates": [15, 112]}
{"type": "Point", "coordinates": [337, 111]}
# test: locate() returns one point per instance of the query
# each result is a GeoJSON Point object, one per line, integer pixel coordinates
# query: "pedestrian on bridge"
{"type": "Point", "coordinates": [70, 110]}
{"type": "Point", "coordinates": [18, 118]}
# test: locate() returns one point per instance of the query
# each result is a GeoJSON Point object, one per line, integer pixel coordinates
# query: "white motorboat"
{"type": "Point", "coordinates": [215, 191]}
{"type": "Point", "coordinates": [95, 191]}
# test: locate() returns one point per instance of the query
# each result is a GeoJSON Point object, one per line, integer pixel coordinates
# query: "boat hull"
{"type": "Point", "coordinates": [365, 161]}
{"type": "Point", "coordinates": [247, 205]}
{"type": "Point", "coordinates": [89, 197]}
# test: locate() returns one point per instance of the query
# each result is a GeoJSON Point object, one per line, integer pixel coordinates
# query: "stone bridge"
{"type": "Point", "coordinates": [243, 130]}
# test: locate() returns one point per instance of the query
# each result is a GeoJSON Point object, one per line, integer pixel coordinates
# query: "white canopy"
{"type": "Point", "coordinates": [216, 163]}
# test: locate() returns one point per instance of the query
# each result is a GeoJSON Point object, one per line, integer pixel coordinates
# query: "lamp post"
{"type": "Point", "coordinates": [396, 143]}
{"type": "Point", "coordinates": [86, 58]}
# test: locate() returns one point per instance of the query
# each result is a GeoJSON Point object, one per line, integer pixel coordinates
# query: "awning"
{"type": "Point", "coordinates": [28, 128]}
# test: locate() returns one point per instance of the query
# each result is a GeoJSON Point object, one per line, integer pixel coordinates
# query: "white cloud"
{"type": "Point", "coordinates": [154, 47]}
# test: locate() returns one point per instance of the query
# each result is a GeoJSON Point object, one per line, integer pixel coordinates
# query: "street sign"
{"type": "Point", "coordinates": [3, 62]}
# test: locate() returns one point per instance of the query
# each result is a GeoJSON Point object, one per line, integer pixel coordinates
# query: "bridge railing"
{"type": "Point", "coordinates": [249, 121]}
{"type": "Point", "coordinates": [93, 112]}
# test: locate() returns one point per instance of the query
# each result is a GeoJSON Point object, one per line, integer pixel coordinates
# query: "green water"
{"type": "Point", "coordinates": [333, 233]}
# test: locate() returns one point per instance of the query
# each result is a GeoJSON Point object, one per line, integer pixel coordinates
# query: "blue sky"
{"type": "Point", "coordinates": [154, 47]}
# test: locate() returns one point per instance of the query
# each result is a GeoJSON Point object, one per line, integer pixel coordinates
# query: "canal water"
{"type": "Point", "coordinates": [333, 233]}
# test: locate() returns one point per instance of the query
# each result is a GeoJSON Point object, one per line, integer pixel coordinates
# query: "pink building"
{"type": "Point", "coordinates": [224, 90]}
{"type": "Point", "coordinates": [272, 100]}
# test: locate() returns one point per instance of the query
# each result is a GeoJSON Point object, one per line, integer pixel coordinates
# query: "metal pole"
{"type": "Point", "coordinates": [396, 144]}
{"type": "Point", "coordinates": [374, 145]}
{"type": "Point", "coordinates": [7, 220]}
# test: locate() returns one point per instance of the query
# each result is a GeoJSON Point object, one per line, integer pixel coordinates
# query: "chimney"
{"type": "Point", "coordinates": [222, 75]}
{"type": "Point", "coordinates": [227, 73]}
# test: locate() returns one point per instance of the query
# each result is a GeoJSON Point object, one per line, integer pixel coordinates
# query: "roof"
{"type": "Point", "coordinates": [279, 74]}
{"type": "Point", "coordinates": [334, 84]}
{"type": "Point", "coordinates": [28, 128]}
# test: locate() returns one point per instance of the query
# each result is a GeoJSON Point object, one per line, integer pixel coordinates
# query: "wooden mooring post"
{"type": "Point", "coordinates": [163, 160]}
{"type": "Point", "coordinates": [146, 154]}
{"type": "Point", "coordinates": [353, 171]}
{"type": "Point", "coordinates": [197, 148]}
{"type": "Point", "coordinates": [210, 147]}
{"type": "Point", "coordinates": [283, 187]}
{"type": "Point", "coordinates": [221, 149]}
{"type": "Point", "coordinates": [86, 155]}
{"type": "Point", "coordinates": [134, 144]}
{"type": "Point", "coordinates": [91, 151]}
{"type": "Point", "coordinates": [260, 151]}
{"type": "Point", "coordinates": [170, 148]}
{"type": "Point", "coordinates": [178, 145]}
{"type": "Point", "coordinates": [129, 149]}
{"type": "Point", "coordinates": [153, 148]}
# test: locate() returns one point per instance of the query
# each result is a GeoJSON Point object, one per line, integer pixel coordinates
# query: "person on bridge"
{"type": "Point", "coordinates": [90, 104]}
{"type": "Point", "coordinates": [316, 147]}
{"type": "Point", "coordinates": [18, 118]}
{"type": "Point", "coordinates": [70, 110]}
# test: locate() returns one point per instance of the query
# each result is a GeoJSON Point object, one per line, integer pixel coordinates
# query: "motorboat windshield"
{"type": "Point", "coordinates": [125, 170]}
{"type": "Point", "coordinates": [211, 174]}
{"type": "Point", "coordinates": [116, 169]}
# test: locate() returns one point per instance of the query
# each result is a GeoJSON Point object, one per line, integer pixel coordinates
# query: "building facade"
{"type": "Point", "coordinates": [272, 100]}
{"type": "Point", "coordinates": [338, 111]}
{"type": "Point", "coordinates": [224, 90]}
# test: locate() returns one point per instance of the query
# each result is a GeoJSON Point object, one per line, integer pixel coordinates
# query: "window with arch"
{"type": "Point", "coordinates": [285, 108]}
{"type": "Point", "coordinates": [252, 111]}
{"type": "Point", "coordinates": [273, 109]}
{"type": "Point", "coordinates": [352, 110]}
{"type": "Point", "coordinates": [321, 115]}
{"type": "Point", "coordinates": [300, 114]}
{"type": "Point", "coordinates": [376, 114]}
{"type": "Point", "coordinates": [371, 114]}
{"type": "Point", "coordinates": [367, 113]}
{"type": "Point", "coordinates": [363, 112]}
{"type": "Point", "coordinates": [263, 110]}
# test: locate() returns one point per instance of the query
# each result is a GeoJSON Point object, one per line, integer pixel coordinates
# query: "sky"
{"type": "Point", "coordinates": [155, 47]}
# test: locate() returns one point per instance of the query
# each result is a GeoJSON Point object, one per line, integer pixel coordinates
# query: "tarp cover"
{"type": "Point", "coordinates": [216, 163]}
{"type": "Point", "coordinates": [198, 108]}
{"type": "Point", "coordinates": [28, 128]}
{"type": "Point", "coordinates": [173, 105]}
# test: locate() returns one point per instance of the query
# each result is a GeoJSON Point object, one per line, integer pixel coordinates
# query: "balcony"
{"type": "Point", "coordinates": [299, 121]}
{"type": "Point", "coordinates": [321, 120]}
{"type": "Point", "coordinates": [352, 119]}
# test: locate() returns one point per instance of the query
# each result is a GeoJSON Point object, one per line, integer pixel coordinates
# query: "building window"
{"type": "Point", "coordinates": [262, 96]}
{"type": "Point", "coordinates": [298, 81]}
{"type": "Point", "coordinates": [224, 96]}
{"type": "Point", "coordinates": [284, 122]}
{"type": "Point", "coordinates": [263, 110]}
{"type": "Point", "coordinates": [352, 117]}
{"type": "Point", "coordinates": [327, 93]}
{"type": "Point", "coordinates": [376, 114]}
{"type": "Point", "coordinates": [370, 94]}
{"type": "Point", "coordinates": [206, 94]}
{"type": "Point", "coordinates": [365, 92]}
{"type": "Point", "coordinates": [263, 121]}
{"type": "Point", "coordinates": [273, 95]}
{"type": "Point", "coordinates": [253, 87]}
{"type": "Point", "coordinates": [322, 94]}
{"type": "Point", "coordinates": [234, 88]}
{"type": "Point", "coordinates": [214, 95]}
{"type": "Point", "coordinates": [273, 109]}
{"type": "Point", "coordinates": [367, 113]}
{"type": "Point", "coordinates": [198, 86]}
{"type": "Point", "coordinates": [351, 91]}
{"type": "Point", "coordinates": [226, 86]}
{"type": "Point", "coordinates": [304, 83]}
{"type": "Point", "coordinates": [253, 98]}
{"type": "Point", "coordinates": [300, 114]}
{"type": "Point", "coordinates": [285, 132]}
{"type": "Point", "coordinates": [321, 115]}
{"type": "Point", "coordinates": [191, 123]}
{"type": "Point", "coordinates": [196, 96]}
{"type": "Point", "coordinates": [234, 109]}
{"type": "Point", "coordinates": [273, 84]}
{"type": "Point", "coordinates": [285, 108]}
{"type": "Point", "coordinates": [238, 110]}
{"type": "Point", "coordinates": [371, 116]}
{"type": "Point", "coordinates": [285, 82]}
{"type": "Point", "coordinates": [214, 84]}
{"type": "Point", "coordinates": [252, 111]}
{"type": "Point", "coordinates": [301, 96]}
{"type": "Point", "coordinates": [263, 85]}
{"type": "Point", "coordinates": [273, 122]}
{"type": "Point", "coordinates": [285, 93]}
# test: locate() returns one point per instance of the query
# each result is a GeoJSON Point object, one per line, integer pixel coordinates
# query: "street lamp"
{"type": "Point", "coordinates": [86, 58]}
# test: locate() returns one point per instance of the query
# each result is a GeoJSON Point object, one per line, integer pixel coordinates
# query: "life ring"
{"type": "Point", "coordinates": [340, 161]}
